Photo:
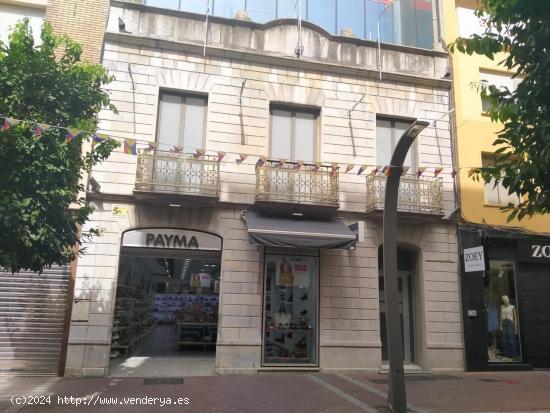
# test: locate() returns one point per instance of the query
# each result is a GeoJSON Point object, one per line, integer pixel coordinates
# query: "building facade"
{"type": "Point", "coordinates": [236, 228]}
{"type": "Point", "coordinates": [504, 309]}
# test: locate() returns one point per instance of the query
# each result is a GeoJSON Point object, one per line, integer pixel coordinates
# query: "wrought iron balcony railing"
{"type": "Point", "coordinates": [307, 185]}
{"type": "Point", "coordinates": [416, 195]}
{"type": "Point", "coordinates": [177, 174]}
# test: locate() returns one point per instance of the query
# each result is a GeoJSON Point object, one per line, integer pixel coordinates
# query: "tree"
{"type": "Point", "coordinates": [521, 29]}
{"type": "Point", "coordinates": [40, 176]}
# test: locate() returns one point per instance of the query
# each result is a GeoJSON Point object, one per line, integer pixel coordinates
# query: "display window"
{"type": "Point", "coordinates": [290, 310]}
{"type": "Point", "coordinates": [503, 327]}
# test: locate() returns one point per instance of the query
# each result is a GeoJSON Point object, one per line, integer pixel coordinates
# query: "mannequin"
{"type": "Point", "coordinates": [509, 326]}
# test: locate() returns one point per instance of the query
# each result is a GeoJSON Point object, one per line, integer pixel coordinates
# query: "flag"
{"type": "Point", "coordinates": [362, 169]}
{"type": "Point", "coordinates": [71, 134]}
{"type": "Point", "coordinates": [221, 155]}
{"type": "Point", "coordinates": [437, 171]}
{"type": "Point", "coordinates": [280, 163]}
{"type": "Point", "coordinates": [376, 169]}
{"type": "Point", "coordinates": [99, 137]}
{"type": "Point", "coordinates": [177, 149]}
{"type": "Point", "coordinates": [420, 171]}
{"type": "Point", "coordinates": [39, 128]}
{"type": "Point", "coordinates": [316, 166]}
{"type": "Point", "coordinates": [453, 173]}
{"type": "Point", "coordinates": [130, 146]}
{"type": "Point", "coordinates": [405, 170]}
{"type": "Point", "coordinates": [349, 167]}
{"type": "Point", "coordinates": [298, 164]}
{"type": "Point", "coordinates": [9, 122]}
{"type": "Point", "coordinates": [333, 169]}
{"type": "Point", "coordinates": [242, 158]}
{"type": "Point", "coordinates": [151, 146]}
{"type": "Point", "coordinates": [261, 162]}
{"type": "Point", "coordinates": [199, 153]}
{"type": "Point", "coordinates": [387, 170]}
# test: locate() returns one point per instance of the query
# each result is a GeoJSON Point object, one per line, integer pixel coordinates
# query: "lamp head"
{"type": "Point", "coordinates": [417, 127]}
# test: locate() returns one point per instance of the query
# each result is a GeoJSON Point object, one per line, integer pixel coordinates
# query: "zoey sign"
{"type": "Point", "coordinates": [474, 259]}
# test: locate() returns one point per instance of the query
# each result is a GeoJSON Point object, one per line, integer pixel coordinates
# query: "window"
{"type": "Point", "coordinates": [182, 121]}
{"type": "Point", "coordinates": [496, 193]}
{"type": "Point", "coordinates": [388, 132]}
{"type": "Point", "coordinates": [293, 134]}
{"type": "Point", "coordinates": [500, 81]}
{"type": "Point", "coordinates": [503, 343]}
{"type": "Point", "coordinates": [291, 301]}
{"type": "Point", "coordinates": [468, 22]}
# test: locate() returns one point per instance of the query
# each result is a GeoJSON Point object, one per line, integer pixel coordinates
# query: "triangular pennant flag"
{"type": "Point", "coordinates": [39, 128]}
{"type": "Point", "coordinates": [261, 162]}
{"type": "Point", "coordinates": [199, 153]}
{"type": "Point", "coordinates": [316, 166]}
{"type": "Point", "coordinates": [71, 134]}
{"type": "Point", "coordinates": [333, 169]}
{"type": "Point", "coordinates": [362, 169]}
{"type": "Point", "coordinates": [221, 155]}
{"type": "Point", "coordinates": [242, 158]}
{"type": "Point", "coordinates": [99, 137]}
{"type": "Point", "coordinates": [151, 146]}
{"type": "Point", "coordinates": [387, 170]}
{"type": "Point", "coordinates": [130, 146]}
{"type": "Point", "coordinates": [177, 149]}
{"type": "Point", "coordinates": [349, 167]}
{"type": "Point", "coordinates": [376, 169]}
{"type": "Point", "coordinates": [280, 163]}
{"type": "Point", "coordinates": [437, 171]}
{"type": "Point", "coordinates": [420, 171]}
{"type": "Point", "coordinates": [405, 170]}
{"type": "Point", "coordinates": [453, 173]}
{"type": "Point", "coordinates": [473, 171]}
{"type": "Point", "coordinates": [9, 122]}
{"type": "Point", "coordinates": [298, 165]}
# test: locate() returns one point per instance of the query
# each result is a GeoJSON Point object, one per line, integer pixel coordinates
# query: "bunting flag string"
{"type": "Point", "coordinates": [130, 146]}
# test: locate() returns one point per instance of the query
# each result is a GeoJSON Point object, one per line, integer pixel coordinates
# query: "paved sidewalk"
{"type": "Point", "coordinates": [283, 393]}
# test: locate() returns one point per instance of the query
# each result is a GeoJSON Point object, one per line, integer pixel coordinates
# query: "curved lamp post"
{"type": "Point", "coordinates": [397, 398]}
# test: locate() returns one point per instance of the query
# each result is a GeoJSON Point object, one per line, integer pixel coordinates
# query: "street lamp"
{"type": "Point", "coordinates": [397, 397]}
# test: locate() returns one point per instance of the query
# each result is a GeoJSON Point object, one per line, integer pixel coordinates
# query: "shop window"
{"type": "Point", "coordinates": [495, 193]}
{"type": "Point", "coordinates": [503, 325]}
{"type": "Point", "coordinates": [182, 121]}
{"type": "Point", "coordinates": [290, 303]}
{"type": "Point", "coordinates": [293, 134]}
{"type": "Point", "coordinates": [388, 132]}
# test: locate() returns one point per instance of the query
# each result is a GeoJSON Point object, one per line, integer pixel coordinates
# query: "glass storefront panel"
{"type": "Point", "coordinates": [503, 343]}
{"type": "Point", "coordinates": [290, 316]}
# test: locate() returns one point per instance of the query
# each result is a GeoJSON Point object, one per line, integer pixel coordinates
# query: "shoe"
{"type": "Point", "coordinates": [303, 312]}
{"type": "Point", "coordinates": [289, 334]}
{"type": "Point", "coordinates": [280, 339]}
{"type": "Point", "coordinates": [304, 297]}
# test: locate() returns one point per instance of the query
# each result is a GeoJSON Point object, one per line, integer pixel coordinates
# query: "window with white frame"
{"type": "Point", "coordinates": [500, 80]}
{"type": "Point", "coordinates": [182, 121]}
{"type": "Point", "coordinates": [388, 132]}
{"type": "Point", "coordinates": [495, 193]}
{"type": "Point", "coordinates": [293, 134]}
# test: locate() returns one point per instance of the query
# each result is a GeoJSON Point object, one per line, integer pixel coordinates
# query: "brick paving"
{"type": "Point", "coordinates": [291, 393]}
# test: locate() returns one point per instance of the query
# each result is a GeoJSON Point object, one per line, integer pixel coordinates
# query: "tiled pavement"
{"type": "Point", "coordinates": [294, 393]}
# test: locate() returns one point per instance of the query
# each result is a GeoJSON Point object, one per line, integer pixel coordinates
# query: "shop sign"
{"type": "Point", "coordinates": [474, 259]}
{"type": "Point", "coordinates": [172, 239]}
{"type": "Point", "coordinates": [534, 251]}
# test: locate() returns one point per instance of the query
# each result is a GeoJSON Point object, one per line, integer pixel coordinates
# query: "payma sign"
{"type": "Point", "coordinates": [171, 239]}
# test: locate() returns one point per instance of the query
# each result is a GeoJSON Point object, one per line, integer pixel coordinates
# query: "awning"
{"type": "Point", "coordinates": [298, 232]}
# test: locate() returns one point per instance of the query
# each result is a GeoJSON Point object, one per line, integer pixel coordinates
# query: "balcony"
{"type": "Point", "coordinates": [306, 186]}
{"type": "Point", "coordinates": [416, 195]}
{"type": "Point", "coordinates": [176, 175]}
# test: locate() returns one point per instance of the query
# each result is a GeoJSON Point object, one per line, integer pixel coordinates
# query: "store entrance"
{"type": "Point", "coordinates": [166, 313]}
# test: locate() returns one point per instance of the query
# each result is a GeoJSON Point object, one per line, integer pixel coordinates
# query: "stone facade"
{"type": "Point", "coordinates": [163, 50]}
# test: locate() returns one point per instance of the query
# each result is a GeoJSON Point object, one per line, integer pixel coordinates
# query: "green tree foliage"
{"type": "Point", "coordinates": [521, 29]}
{"type": "Point", "coordinates": [40, 175]}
